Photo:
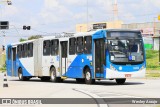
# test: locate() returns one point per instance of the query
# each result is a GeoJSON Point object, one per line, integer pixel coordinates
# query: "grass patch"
{"type": "Point", "coordinates": [155, 75]}
{"type": "Point", "coordinates": [2, 71]}
{"type": "Point", "coordinates": [152, 58]}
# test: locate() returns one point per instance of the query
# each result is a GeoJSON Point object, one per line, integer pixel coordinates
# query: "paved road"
{"type": "Point", "coordinates": [133, 88]}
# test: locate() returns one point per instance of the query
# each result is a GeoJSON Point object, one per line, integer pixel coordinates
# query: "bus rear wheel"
{"type": "Point", "coordinates": [80, 80]}
{"type": "Point", "coordinates": [88, 77]}
{"type": "Point", "coordinates": [53, 77]}
{"type": "Point", "coordinates": [21, 77]}
{"type": "Point", "coordinates": [121, 81]}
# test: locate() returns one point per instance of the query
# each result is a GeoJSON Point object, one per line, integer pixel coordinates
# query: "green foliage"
{"type": "Point", "coordinates": [35, 37]}
{"type": "Point", "coordinates": [151, 53]}
{"type": "Point", "coordinates": [21, 40]}
{"type": "Point", "coordinates": [2, 62]}
{"type": "Point", "coordinates": [31, 38]}
{"type": "Point", "coordinates": [3, 68]}
{"type": "Point", "coordinates": [152, 58]}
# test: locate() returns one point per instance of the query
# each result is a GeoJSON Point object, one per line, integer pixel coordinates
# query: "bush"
{"type": "Point", "coordinates": [3, 67]}
{"type": "Point", "coordinates": [151, 53]}
{"type": "Point", "coordinates": [152, 58]}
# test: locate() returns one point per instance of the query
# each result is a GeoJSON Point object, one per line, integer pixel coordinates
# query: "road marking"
{"type": "Point", "coordinates": [93, 96]}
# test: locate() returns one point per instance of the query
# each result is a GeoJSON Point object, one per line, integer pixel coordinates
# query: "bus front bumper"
{"type": "Point", "coordinates": [111, 74]}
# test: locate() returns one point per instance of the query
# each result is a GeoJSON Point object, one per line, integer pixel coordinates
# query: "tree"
{"type": "Point", "coordinates": [21, 40]}
{"type": "Point", "coordinates": [31, 37]}
{"type": "Point", "coordinates": [35, 37]}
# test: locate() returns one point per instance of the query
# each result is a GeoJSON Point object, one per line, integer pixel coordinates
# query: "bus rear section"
{"type": "Point", "coordinates": [20, 60]}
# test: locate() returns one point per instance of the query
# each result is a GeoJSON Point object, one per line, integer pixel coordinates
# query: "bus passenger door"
{"type": "Point", "coordinates": [14, 73]}
{"type": "Point", "coordinates": [64, 46]}
{"type": "Point", "coordinates": [99, 57]}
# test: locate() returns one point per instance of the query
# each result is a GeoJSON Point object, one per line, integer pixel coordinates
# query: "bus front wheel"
{"type": "Point", "coordinates": [121, 81]}
{"type": "Point", "coordinates": [88, 77]}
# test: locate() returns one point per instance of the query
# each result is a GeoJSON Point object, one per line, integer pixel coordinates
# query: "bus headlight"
{"type": "Point", "coordinates": [141, 68]}
{"type": "Point", "coordinates": [112, 67]}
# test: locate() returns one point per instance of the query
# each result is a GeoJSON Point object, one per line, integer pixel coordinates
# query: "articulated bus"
{"type": "Point", "coordinates": [97, 55]}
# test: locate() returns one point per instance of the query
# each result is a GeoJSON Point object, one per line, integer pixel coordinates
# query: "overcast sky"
{"type": "Point", "coordinates": [54, 16]}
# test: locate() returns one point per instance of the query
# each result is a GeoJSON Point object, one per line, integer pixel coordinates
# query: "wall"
{"type": "Point", "coordinates": [110, 25]}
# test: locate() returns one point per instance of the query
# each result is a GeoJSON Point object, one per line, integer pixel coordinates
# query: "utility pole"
{"type": "Point", "coordinates": [115, 10]}
{"type": "Point", "coordinates": [87, 15]}
{"type": "Point", "coordinates": [159, 41]}
{"type": "Point", "coordinates": [154, 30]}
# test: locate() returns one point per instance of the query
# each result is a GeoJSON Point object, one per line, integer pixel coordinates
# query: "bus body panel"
{"type": "Point", "coordinates": [37, 59]}
{"type": "Point", "coordinates": [9, 61]}
{"type": "Point", "coordinates": [27, 65]}
{"type": "Point", "coordinates": [76, 67]}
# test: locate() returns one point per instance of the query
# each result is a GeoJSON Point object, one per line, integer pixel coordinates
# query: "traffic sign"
{"type": "Point", "coordinates": [4, 25]}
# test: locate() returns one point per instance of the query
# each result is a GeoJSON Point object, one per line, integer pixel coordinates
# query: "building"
{"type": "Point", "coordinates": [150, 32]}
{"type": "Point", "coordinates": [98, 25]}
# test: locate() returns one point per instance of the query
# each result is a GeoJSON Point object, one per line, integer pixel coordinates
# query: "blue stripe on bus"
{"type": "Point", "coordinates": [75, 70]}
{"type": "Point", "coordinates": [128, 68]}
{"type": "Point", "coordinates": [25, 72]}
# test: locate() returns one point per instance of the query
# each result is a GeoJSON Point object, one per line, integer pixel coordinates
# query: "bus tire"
{"type": "Point", "coordinates": [20, 75]}
{"type": "Point", "coordinates": [26, 78]}
{"type": "Point", "coordinates": [80, 80]}
{"type": "Point", "coordinates": [120, 81]}
{"type": "Point", "coordinates": [53, 77]}
{"type": "Point", "coordinates": [88, 77]}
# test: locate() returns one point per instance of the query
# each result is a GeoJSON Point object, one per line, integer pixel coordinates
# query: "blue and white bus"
{"type": "Point", "coordinates": [97, 55]}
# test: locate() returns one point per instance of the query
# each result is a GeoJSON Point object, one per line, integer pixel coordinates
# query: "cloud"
{"type": "Point", "coordinates": [54, 12]}
{"type": "Point", "coordinates": [10, 11]}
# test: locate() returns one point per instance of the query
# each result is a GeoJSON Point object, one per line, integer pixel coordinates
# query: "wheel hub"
{"type": "Point", "coordinates": [52, 76]}
{"type": "Point", "coordinates": [88, 76]}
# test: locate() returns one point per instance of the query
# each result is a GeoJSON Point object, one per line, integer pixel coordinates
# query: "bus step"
{"type": "Point", "coordinates": [64, 77]}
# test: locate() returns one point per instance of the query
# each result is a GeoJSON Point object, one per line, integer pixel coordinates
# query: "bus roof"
{"type": "Point", "coordinates": [129, 30]}
{"type": "Point", "coordinates": [17, 43]}
{"type": "Point", "coordinates": [74, 35]}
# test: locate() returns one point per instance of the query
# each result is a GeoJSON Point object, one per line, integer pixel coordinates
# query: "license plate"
{"type": "Point", "coordinates": [128, 75]}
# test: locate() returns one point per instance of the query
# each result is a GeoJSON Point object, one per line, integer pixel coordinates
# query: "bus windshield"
{"type": "Point", "coordinates": [126, 50]}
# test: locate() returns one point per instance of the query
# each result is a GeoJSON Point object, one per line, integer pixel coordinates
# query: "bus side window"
{"type": "Point", "coordinates": [9, 53]}
{"type": "Point", "coordinates": [79, 45]}
{"type": "Point", "coordinates": [87, 44]}
{"type": "Point", "coordinates": [24, 51]}
{"type": "Point", "coordinates": [46, 48]}
{"type": "Point", "coordinates": [72, 45]}
{"type": "Point", "coordinates": [30, 50]}
{"type": "Point", "coordinates": [19, 51]}
{"type": "Point", "coordinates": [54, 47]}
